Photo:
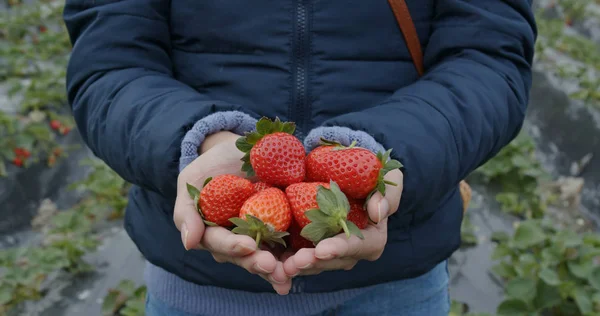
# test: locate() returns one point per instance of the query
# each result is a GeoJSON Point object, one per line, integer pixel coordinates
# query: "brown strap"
{"type": "Point", "coordinates": [409, 32]}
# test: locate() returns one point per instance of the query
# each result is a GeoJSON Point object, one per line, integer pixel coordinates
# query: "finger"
{"type": "Point", "coordinates": [280, 281]}
{"type": "Point", "coordinates": [378, 207]}
{"type": "Point", "coordinates": [369, 248]}
{"type": "Point", "coordinates": [188, 221]}
{"type": "Point", "coordinates": [393, 194]}
{"type": "Point", "coordinates": [259, 262]}
{"type": "Point", "coordinates": [301, 260]}
{"type": "Point", "coordinates": [219, 240]}
{"type": "Point", "coordinates": [330, 265]}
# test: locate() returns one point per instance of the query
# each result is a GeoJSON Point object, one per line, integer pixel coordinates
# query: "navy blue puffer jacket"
{"type": "Point", "coordinates": [142, 72]}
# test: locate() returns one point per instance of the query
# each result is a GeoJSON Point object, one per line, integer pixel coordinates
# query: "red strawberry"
{"type": "Point", "coordinates": [357, 171]}
{"type": "Point", "coordinates": [358, 215]}
{"type": "Point", "coordinates": [303, 197]}
{"type": "Point", "coordinates": [64, 130]}
{"type": "Point", "coordinates": [265, 216]}
{"type": "Point", "coordinates": [298, 242]}
{"type": "Point", "coordinates": [273, 154]}
{"type": "Point", "coordinates": [330, 216]}
{"type": "Point", "coordinates": [42, 29]}
{"type": "Point", "coordinates": [22, 152]}
{"type": "Point", "coordinates": [55, 124]}
{"type": "Point", "coordinates": [259, 186]}
{"type": "Point", "coordinates": [221, 198]}
{"type": "Point", "coordinates": [18, 161]}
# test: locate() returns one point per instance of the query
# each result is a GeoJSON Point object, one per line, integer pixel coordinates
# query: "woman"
{"type": "Point", "coordinates": [161, 90]}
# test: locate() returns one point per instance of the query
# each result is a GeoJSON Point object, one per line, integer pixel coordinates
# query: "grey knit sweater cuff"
{"type": "Point", "coordinates": [233, 121]}
{"type": "Point", "coordinates": [342, 135]}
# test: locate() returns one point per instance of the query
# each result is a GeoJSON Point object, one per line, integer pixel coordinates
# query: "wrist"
{"type": "Point", "coordinates": [213, 139]}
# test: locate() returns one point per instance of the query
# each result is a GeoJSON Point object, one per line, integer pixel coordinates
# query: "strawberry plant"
{"type": "Point", "coordinates": [519, 173]}
{"type": "Point", "coordinates": [548, 271]}
{"type": "Point", "coordinates": [34, 46]}
{"type": "Point", "coordinates": [66, 238]}
{"type": "Point", "coordinates": [125, 300]}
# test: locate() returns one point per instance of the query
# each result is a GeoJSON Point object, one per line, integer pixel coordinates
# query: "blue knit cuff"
{"type": "Point", "coordinates": [342, 135]}
{"type": "Point", "coordinates": [233, 121]}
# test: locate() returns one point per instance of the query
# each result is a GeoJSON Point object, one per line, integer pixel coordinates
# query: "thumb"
{"type": "Point", "coordinates": [378, 208]}
{"type": "Point", "coordinates": [188, 221]}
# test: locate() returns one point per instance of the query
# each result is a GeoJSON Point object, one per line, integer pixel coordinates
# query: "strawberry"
{"type": "Point", "coordinates": [273, 154]}
{"type": "Point", "coordinates": [303, 197]}
{"type": "Point", "coordinates": [298, 242]}
{"type": "Point", "coordinates": [357, 171]}
{"type": "Point", "coordinates": [259, 186]}
{"type": "Point", "coordinates": [265, 216]}
{"type": "Point", "coordinates": [221, 198]}
{"type": "Point", "coordinates": [18, 161]}
{"type": "Point", "coordinates": [55, 124]}
{"type": "Point", "coordinates": [330, 217]}
{"type": "Point", "coordinates": [358, 215]}
{"type": "Point", "coordinates": [22, 152]}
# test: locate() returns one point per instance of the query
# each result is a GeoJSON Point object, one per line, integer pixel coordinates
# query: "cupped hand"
{"type": "Point", "coordinates": [218, 156]}
{"type": "Point", "coordinates": [342, 253]}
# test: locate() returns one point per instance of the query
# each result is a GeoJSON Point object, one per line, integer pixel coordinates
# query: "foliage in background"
{"type": "Point", "coordinates": [34, 50]}
{"type": "Point", "coordinates": [548, 271]}
{"type": "Point", "coordinates": [125, 300]}
{"type": "Point", "coordinates": [520, 174]}
{"type": "Point", "coordinates": [545, 269]}
{"type": "Point", "coordinates": [66, 237]}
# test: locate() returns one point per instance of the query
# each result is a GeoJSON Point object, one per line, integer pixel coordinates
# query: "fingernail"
{"type": "Point", "coordinates": [241, 248]}
{"type": "Point", "coordinates": [325, 257]}
{"type": "Point", "coordinates": [272, 280]}
{"type": "Point", "coordinates": [258, 267]}
{"type": "Point", "coordinates": [382, 209]}
{"type": "Point", "coordinates": [308, 266]}
{"type": "Point", "coordinates": [184, 235]}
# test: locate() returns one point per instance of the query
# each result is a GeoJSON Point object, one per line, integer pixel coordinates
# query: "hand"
{"type": "Point", "coordinates": [219, 155]}
{"type": "Point", "coordinates": [339, 252]}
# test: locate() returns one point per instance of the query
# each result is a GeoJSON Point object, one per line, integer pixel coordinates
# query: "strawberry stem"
{"type": "Point", "coordinates": [390, 183]}
{"type": "Point", "coordinates": [258, 237]}
{"type": "Point", "coordinates": [344, 227]}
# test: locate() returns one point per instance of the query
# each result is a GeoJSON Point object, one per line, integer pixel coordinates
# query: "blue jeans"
{"type": "Point", "coordinates": [427, 295]}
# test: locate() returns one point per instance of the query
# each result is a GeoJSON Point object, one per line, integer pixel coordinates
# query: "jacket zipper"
{"type": "Point", "coordinates": [301, 58]}
{"type": "Point", "coordinates": [299, 109]}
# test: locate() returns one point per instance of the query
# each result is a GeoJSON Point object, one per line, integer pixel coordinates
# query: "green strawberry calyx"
{"type": "Point", "coordinates": [331, 218]}
{"type": "Point", "coordinates": [195, 195]}
{"type": "Point", "coordinates": [388, 165]}
{"type": "Point", "coordinates": [337, 145]}
{"type": "Point", "coordinates": [261, 232]}
{"type": "Point", "coordinates": [264, 127]}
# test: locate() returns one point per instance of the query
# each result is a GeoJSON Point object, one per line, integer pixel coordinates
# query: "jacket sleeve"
{"type": "Point", "coordinates": [470, 103]}
{"type": "Point", "coordinates": [128, 107]}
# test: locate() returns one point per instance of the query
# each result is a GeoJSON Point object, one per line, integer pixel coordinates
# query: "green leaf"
{"type": "Point", "coordinates": [2, 168]}
{"type": "Point", "coordinates": [500, 237]}
{"type": "Point", "coordinates": [500, 252]}
{"type": "Point", "coordinates": [289, 127]}
{"type": "Point", "coordinates": [595, 278]}
{"type": "Point", "coordinates": [209, 223]}
{"type": "Point", "coordinates": [316, 231]}
{"type": "Point", "coordinates": [253, 138]}
{"type": "Point", "coordinates": [549, 276]}
{"type": "Point", "coordinates": [582, 298]}
{"type": "Point", "coordinates": [6, 293]}
{"type": "Point", "coordinates": [192, 191]}
{"type": "Point", "coordinates": [354, 230]}
{"type": "Point", "coordinates": [243, 145]}
{"type": "Point", "coordinates": [568, 238]}
{"type": "Point", "coordinates": [332, 201]}
{"type": "Point", "coordinates": [239, 222]}
{"type": "Point", "coordinates": [263, 126]}
{"type": "Point", "coordinates": [209, 179]}
{"type": "Point", "coordinates": [316, 215]}
{"type": "Point", "coordinates": [512, 307]}
{"type": "Point", "coordinates": [581, 270]}
{"type": "Point", "coordinates": [547, 296]}
{"type": "Point", "coordinates": [504, 270]}
{"type": "Point", "coordinates": [522, 288]}
{"type": "Point", "coordinates": [528, 234]}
